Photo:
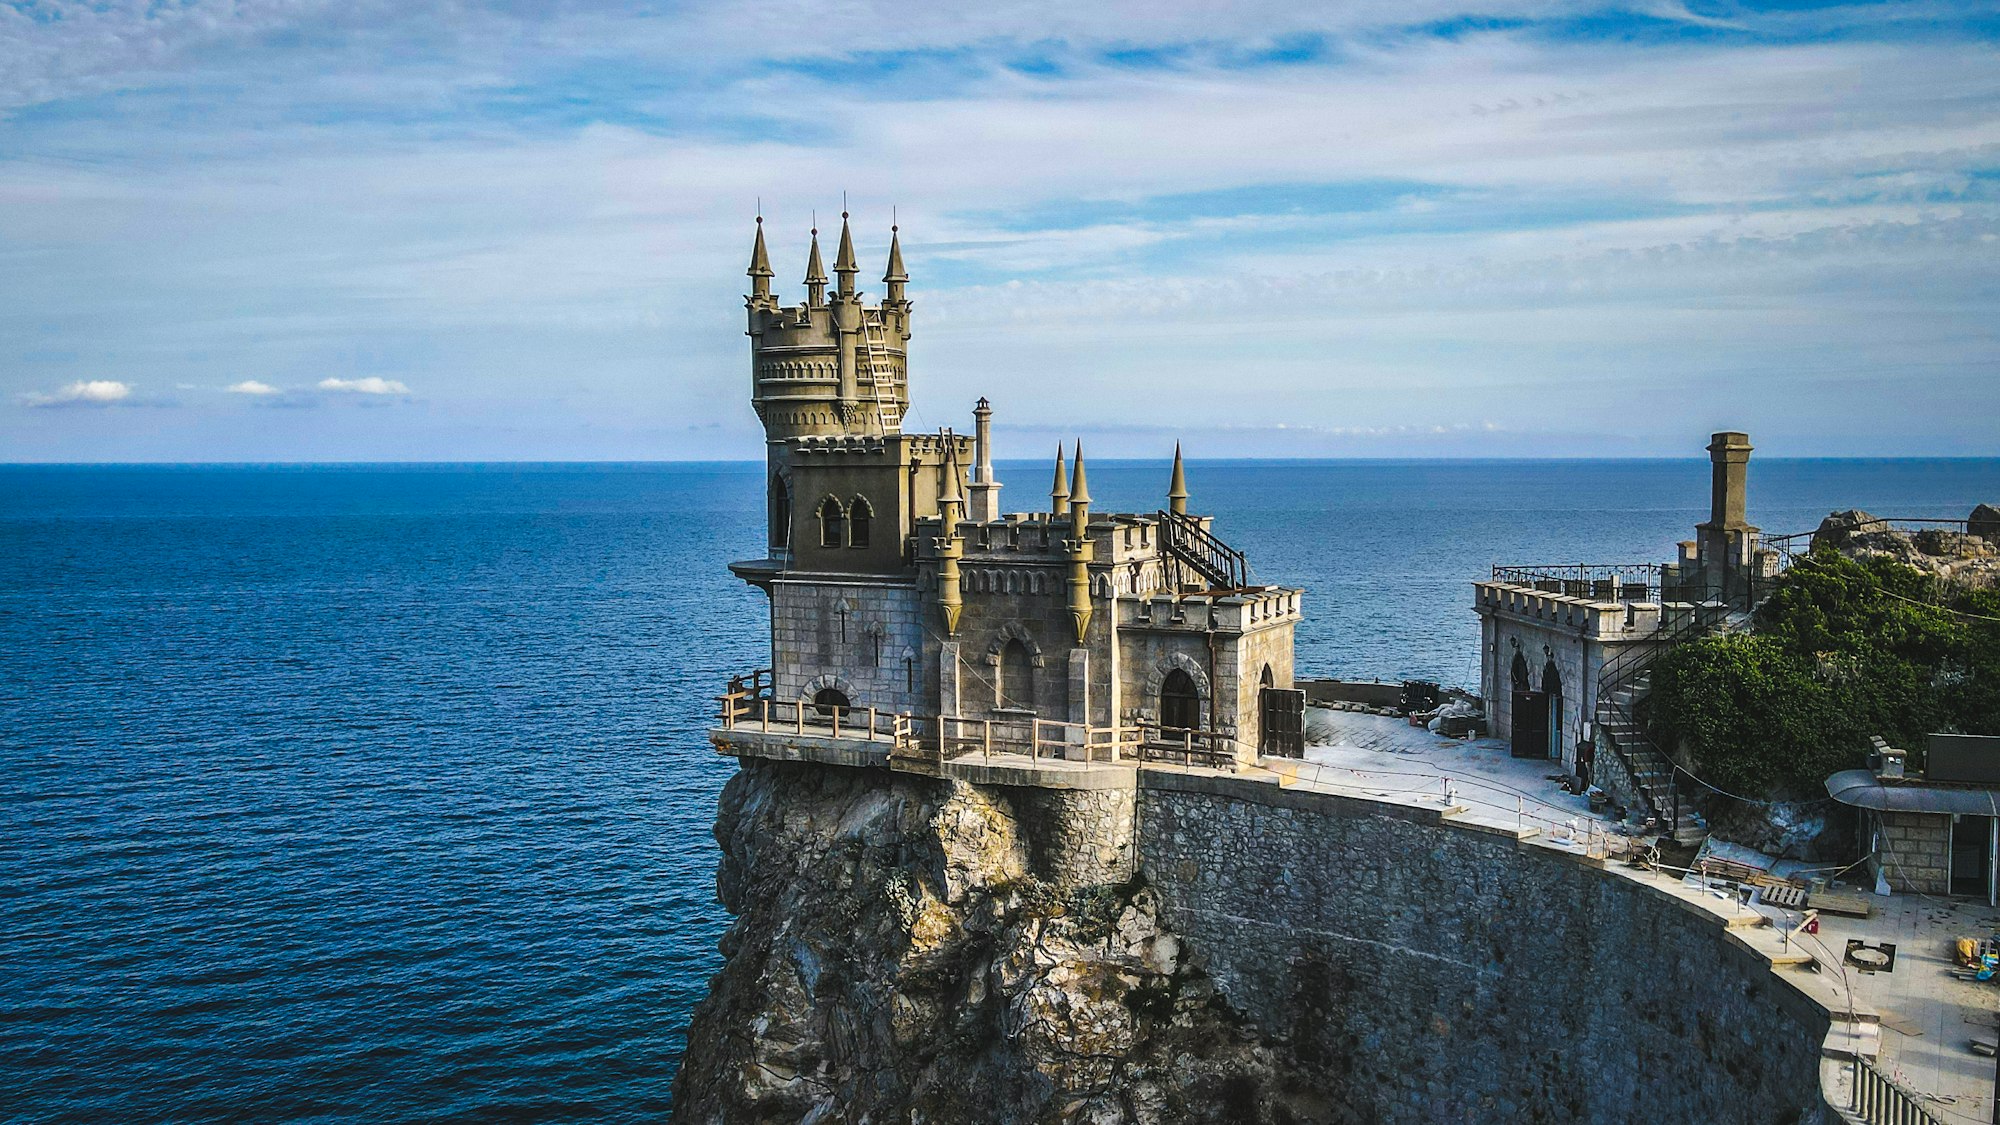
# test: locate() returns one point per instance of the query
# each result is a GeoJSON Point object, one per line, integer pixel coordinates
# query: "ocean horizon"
{"type": "Point", "coordinates": [357, 791]}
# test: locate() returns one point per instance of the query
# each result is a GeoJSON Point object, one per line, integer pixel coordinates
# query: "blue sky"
{"type": "Point", "coordinates": [289, 230]}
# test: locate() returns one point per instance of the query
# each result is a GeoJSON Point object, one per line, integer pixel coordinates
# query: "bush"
{"type": "Point", "coordinates": [1842, 649]}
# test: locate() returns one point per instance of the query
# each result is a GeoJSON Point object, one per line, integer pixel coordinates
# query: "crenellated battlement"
{"type": "Point", "coordinates": [832, 365]}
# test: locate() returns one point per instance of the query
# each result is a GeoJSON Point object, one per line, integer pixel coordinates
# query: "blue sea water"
{"type": "Point", "coordinates": [380, 793]}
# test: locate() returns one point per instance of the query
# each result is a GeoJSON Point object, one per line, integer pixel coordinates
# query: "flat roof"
{"type": "Point", "coordinates": [1863, 790]}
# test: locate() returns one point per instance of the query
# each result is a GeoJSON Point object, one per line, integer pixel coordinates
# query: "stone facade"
{"type": "Point", "coordinates": [897, 585]}
{"type": "Point", "coordinates": [1913, 850]}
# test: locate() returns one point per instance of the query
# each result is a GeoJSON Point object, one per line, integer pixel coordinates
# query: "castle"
{"type": "Point", "coordinates": [908, 610]}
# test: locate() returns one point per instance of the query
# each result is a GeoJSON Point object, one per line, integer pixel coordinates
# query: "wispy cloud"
{"type": "Point", "coordinates": [368, 385]}
{"type": "Point", "coordinates": [93, 392]}
{"type": "Point", "coordinates": [253, 387]}
{"type": "Point", "coordinates": [1328, 209]}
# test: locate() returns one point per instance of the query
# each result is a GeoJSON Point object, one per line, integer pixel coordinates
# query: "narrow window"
{"type": "Point", "coordinates": [859, 515]}
{"type": "Point", "coordinates": [1017, 676]}
{"type": "Point", "coordinates": [781, 513]}
{"type": "Point", "coordinates": [832, 523]}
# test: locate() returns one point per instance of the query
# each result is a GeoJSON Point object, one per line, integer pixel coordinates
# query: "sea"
{"type": "Point", "coordinates": [379, 793]}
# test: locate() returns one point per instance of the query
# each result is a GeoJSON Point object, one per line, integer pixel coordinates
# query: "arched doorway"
{"type": "Point", "coordinates": [1552, 688]}
{"type": "Point", "coordinates": [831, 701]}
{"type": "Point", "coordinates": [1180, 702]}
{"type": "Point", "coordinates": [1528, 715]}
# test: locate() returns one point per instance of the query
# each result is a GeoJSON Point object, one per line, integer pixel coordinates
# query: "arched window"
{"type": "Point", "coordinates": [832, 523]}
{"type": "Point", "coordinates": [828, 700]}
{"type": "Point", "coordinates": [1017, 676]}
{"type": "Point", "coordinates": [1180, 702]}
{"type": "Point", "coordinates": [1267, 679]}
{"type": "Point", "coordinates": [1519, 674]}
{"type": "Point", "coordinates": [858, 516]}
{"type": "Point", "coordinates": [781, 513]}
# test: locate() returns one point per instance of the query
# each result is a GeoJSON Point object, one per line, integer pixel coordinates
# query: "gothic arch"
{"type": "Point", "coordinates": [820, 683]}
{"type": "Point", "coordinates": [1014, 631]}
{"type": "Point", "coordinates": [1156, 678]}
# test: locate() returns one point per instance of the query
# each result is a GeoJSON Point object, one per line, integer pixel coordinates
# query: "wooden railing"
{"type": "Point", "coordinates": [749, 705]}
{"type": "Point", "coordinates": [1190, 747]}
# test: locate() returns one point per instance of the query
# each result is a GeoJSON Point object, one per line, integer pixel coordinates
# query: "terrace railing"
{"type": "Point", "coordinates": [1604, 582]}
{"type": "Point", "coordinates": [749, 705]}
{"type": "Point", "coordinates": [1189, 547]}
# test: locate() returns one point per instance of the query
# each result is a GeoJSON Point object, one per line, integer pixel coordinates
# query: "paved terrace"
{"type": "Point", "coordinates": [1915, 1022]}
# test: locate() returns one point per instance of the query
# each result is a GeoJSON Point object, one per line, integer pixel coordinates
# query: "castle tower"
{"type": "Point", "coordinates": [831, 366]}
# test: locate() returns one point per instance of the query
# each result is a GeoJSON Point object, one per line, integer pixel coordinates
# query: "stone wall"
{"type": "Point", "coordinates": [1914, 851]}
{"type": "Point", "coordinates": [865, 638]}
{"type": "Point", "coordinates": [1424, 972]}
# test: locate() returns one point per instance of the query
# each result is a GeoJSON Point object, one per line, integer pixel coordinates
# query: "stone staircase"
{"type": "Point", "coordinates": [1653, 784]}
{"type": "Point", "coordinates": [1651, 774]}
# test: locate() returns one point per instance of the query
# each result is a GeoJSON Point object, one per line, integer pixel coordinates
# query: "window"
{"type": "Point", "coordinates": [1180, 702]}
{"type": "Point", "coordinates": [1017, 676]}
{"type": "Point", "coordinates": [830, 702]}
{"type": "Point", "coordinates": [832, 523]}
{"type": "Point", "coordinates": [859, 514]}
{"type": "Point", "coordinates": [781, 513]}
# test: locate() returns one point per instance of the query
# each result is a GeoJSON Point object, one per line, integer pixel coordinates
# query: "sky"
{"type": "Point", "coordinates": [287, 230]}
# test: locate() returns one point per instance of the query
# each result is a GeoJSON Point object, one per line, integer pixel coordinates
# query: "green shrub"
{"type": "Point", "coordinates": [1842, 649]}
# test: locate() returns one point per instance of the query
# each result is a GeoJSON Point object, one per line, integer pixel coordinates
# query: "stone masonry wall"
{"type": "Point", "coordinates": [1432, 973]}
{"type": "Point", "coordinates": [855, 637]}
{"type": "Point", "coordinates": [1915, 851]}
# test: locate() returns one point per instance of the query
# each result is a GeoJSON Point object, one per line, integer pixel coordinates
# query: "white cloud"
{"type": "Point", "coordinates": [367, 385]}
{"type": "Point", "coordinates": [252, 387]}
{"type": "Point", "coordinates": [92, 392]}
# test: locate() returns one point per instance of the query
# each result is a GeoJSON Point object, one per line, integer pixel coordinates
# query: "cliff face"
{"type": "Point", "coordinates": [916, 950]}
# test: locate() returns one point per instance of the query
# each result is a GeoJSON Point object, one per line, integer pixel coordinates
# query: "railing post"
{"type": "Point", "coordinates": [767, 716]}
{"type": "Point", "coordinates": [871, 724]}
{"type": "Point", "coordinates": [988, 738]}
{"type": "Point", "coordinates": [799, 714]}
{"type": "Point", "coordinates": [835, 713]}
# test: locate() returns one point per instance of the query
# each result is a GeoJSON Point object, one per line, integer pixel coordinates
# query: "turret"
{"type": "Point", "coordinates": [1059, 491]}
{"type": "Point", "coordinates": [1080, 550]}
{"type": "Point", "coordinates": [829, 366]}
{"type": "Point", "coordinates": [897, 278]}
{"type": "Point", "coordinates": [1177, 493]}
{"type": "Point", "coordinates": [950, 547]}
{"type": "Point", "coordinates": [760, 272]}
{"type": "Point", "coordinates": [843, 260]}
{"type": "Point", "coordinates": [815, 275]}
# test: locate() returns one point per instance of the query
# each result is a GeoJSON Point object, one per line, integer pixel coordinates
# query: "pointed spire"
{"type": "Point", "coordinates": [896, 272]}
{"type": "Point", "coordinates": [1177, 493]}
{"type": "Point", "coordinates": [760, 265]}
{"type": "Point", "coordinates": [1079, 492]}
{"type": "Point", "coordinates": [843, 260]}
{"type": "Point", "coordinates": [1059, 491]}
{"type": "Point", "coordinates": [815, 273]}
{"type": "Point", "coordinates": [948, 483]}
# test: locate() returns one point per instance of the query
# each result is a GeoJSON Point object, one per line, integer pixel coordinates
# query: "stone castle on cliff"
{"type": "Point", "coordinates": [909, 614]}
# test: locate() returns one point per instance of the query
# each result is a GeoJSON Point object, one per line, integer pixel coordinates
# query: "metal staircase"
{"type": "Point", "coordinates": [1190, 549]}
{"type": "Point", "coordinates": [1623, 681]}
{"type": "Point", "coordinates": [881, 372]}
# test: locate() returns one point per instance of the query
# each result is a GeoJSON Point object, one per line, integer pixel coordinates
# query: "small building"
{"type": "Point", "coordinates": [1558, 639]}
{"type": "Point", "coordinates": [1936, 832]}
{"type": "Point", "coordinates": [901, 594]}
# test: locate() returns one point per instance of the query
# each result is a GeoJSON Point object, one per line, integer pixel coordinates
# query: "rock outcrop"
{"type": "Point", "coordinates": [1965, 558]}
{"type": "Point", "coordinates": [916, 950]}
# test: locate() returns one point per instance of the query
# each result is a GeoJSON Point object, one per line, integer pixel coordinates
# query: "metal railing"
{"type": "Point", "coordinates": [1605, 582]}
{"type": "Point", "coordinates": [1881, 1100]}
{"type": "Point", "coordinates": [1622, 671]}
{"type": "Point", "coordinates": [1190, 547]}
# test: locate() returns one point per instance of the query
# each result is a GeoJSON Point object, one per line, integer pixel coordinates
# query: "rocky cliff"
{"type": "Point", "coordinates": [915, 950]}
